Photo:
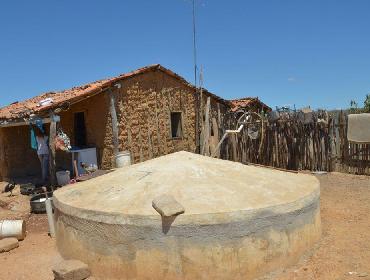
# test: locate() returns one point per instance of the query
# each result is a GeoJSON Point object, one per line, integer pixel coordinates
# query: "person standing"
{"type": "Point", "coordinates": [43, 153]}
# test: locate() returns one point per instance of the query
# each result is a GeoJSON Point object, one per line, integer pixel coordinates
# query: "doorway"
{"type": "Point", "coordinates": [80, 129]}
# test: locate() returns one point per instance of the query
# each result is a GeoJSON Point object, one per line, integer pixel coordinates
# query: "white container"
{"type": "Point", "coordinates": [13, 228]}
{"type": "Point", "coordinates": [123, 159]}
{"type": "Point", "coordinates": [49, 212]}
{"type": "Point", "coordinates": [63, 177]}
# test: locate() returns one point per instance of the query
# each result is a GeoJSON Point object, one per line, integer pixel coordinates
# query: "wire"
{"type": "Point", "coordinates": [194, 46]}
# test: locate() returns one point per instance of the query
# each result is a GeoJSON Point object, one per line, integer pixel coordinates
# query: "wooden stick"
{"type": "Point", "coordinates": [205, 150]}
{"type": "Point", "coordinates": [75, 168]}
{"type": "Point", "coordinates": [52, 136]}
{"type": "Point", "coordinates": [113, 114]}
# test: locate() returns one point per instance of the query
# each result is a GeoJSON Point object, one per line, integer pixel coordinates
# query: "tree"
{"type": "Point", "coordinates": [367, 104]}
{"type": "Point", "coordinates": [353, 109]}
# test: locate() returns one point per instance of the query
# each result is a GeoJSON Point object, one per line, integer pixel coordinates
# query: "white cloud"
{"type": "Point", "coordinates": [292, 79]}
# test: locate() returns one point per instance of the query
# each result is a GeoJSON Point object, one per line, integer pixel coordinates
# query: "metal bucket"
{"type": "Point", "coordinates": [123, 159]}
{"type": "Point", "coordinates": [37, 202]}
{"type": "Point", "coordinates": [13, 228]}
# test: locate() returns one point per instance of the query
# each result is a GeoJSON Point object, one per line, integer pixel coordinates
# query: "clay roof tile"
{"type": "Point", "coordinates": [18, 110]}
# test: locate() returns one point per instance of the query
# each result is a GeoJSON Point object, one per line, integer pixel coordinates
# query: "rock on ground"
{"type": "Point", "coordinates": [71, 270]}
{"type": "Point", "coordinates": [8, 244]}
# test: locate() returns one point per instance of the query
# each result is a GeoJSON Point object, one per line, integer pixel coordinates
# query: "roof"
{"type": "Point", "coordinates": [237, 104]}
{"type": "Point", "coordinates": [23, 109]}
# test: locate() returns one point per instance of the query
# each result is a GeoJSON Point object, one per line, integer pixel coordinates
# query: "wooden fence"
{"type": "Point", "coordinates": [295, 144]}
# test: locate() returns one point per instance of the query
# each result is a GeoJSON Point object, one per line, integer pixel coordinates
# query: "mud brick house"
{"type": "Point", "coordinates": [156, 112]}
{"type": "Point", "coordinates": [249, 103]}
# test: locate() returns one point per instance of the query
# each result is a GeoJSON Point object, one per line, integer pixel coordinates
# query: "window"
{"type": "Point", "coordinates": [80, 129]}
{"type": "Point", "coordinates": [176, 125]}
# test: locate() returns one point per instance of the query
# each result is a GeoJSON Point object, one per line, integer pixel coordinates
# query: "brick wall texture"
{"type": "Point", "coordinates": [143, 104]}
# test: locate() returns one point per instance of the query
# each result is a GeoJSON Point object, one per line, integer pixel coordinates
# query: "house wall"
{"type": "Point", "coordinates": [143, 104]}
{"type": "Point", "coordinates": [3, 167]}
{"type": "Point", "coordinates": [17, 159]}
{"type": "Point", "coordinates": [96, 113]}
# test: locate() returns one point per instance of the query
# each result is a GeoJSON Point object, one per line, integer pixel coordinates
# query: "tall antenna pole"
{"type": "Point", "coordinates": [197, 117]}
{"type": "Point", "coordinates": [194, 46]}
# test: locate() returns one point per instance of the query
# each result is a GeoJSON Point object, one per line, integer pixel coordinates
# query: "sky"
{"type": "Point", "coordinates": [287, 52]}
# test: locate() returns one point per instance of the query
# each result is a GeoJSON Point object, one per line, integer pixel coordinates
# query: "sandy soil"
{"type": "Point", "coordinates": [35, 256]}
{"type": "Point", "coordinates": [343, 253]}
{"type": "Point", "coordinates": [16, 206]}
{"type": "Point", "coordinates": [344, 250]}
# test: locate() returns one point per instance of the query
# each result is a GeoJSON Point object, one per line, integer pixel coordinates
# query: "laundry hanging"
{"type": "Point", "coordinates": [33, 138]}
{"type": "Point", "coordinates": [62, 141]}
{"type": "Point", "coordinates": [39, 123]}
{"type": "Point", "coordinates": [359, 128]}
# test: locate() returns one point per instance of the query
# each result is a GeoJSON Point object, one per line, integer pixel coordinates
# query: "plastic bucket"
{"type": "Point", "coordinates": [63, 177]}
{"type": "Point", "coordinates": [123, 159]}
{"type": "Point", "coordinates": [13, 228]}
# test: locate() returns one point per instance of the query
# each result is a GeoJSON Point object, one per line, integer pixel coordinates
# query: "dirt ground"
{"type": "Point", "coordinates": [344, 249]}
{"type": "Point", "coordinates": [36, 254]}
{"type": "Point", "coordinates": [343, 252]}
